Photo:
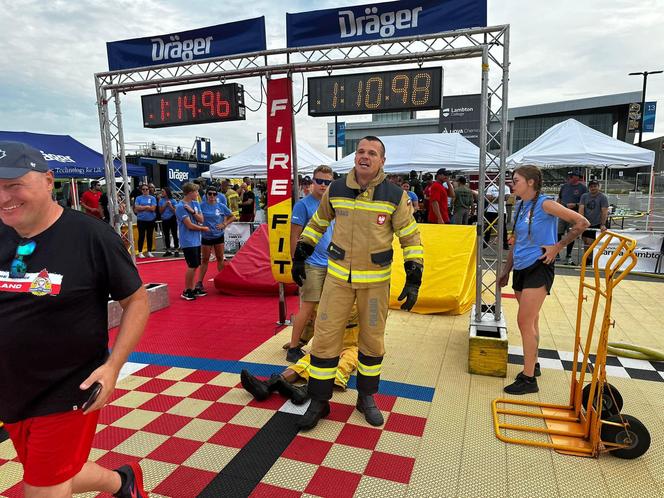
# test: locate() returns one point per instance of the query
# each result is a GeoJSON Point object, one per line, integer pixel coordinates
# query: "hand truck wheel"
{"type": "Point", "coordinates": [609, 407]}
{"type": "Point", "coordinates": [633, 434]}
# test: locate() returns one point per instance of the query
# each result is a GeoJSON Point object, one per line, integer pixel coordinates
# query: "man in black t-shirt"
{"type": "Point", "coordinates": [248, 205]}
{"type": "Point", "coordinates": [58, 268]}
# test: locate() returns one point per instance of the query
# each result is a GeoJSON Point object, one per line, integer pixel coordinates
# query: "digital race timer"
{"type": "Point", "coordinates": [369, 93]}
{"type": "Point", "coordinates": [194, 106]}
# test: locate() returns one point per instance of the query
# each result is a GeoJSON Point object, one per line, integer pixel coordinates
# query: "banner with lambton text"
{"type": "Point", "coordinates": [279, 172]}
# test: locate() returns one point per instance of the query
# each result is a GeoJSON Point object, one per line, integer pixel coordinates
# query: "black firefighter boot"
{"type": "Point", "coordinates": [259, 389]}
{"type": "Point", "coordinates": [367, 405]}
{"type": "Point", "coordinates": [298, 395]}
{"type": "Point", "coordinates": [317, 410]}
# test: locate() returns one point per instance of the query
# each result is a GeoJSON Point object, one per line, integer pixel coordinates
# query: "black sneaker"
{"type": "Point", "coordinates": [538, 372]}
{"type": "Point", "coordinates": [132, 481]}
{"type": "Point", "coordinates": [522, 385]}
{"type": "Point", "coordinates": [294, 354]}
{"type": "Point", "coordinates": [188, 295]}
{"type": "Point", "coordinates": [176, 254]}
{"type": "Point", "coordinates": [167, 254]}
{"type": "Point", "coordinates": [199, 292]}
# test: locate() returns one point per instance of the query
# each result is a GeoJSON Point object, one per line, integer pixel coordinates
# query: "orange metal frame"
{"type": "Point", "coordinates": [574, 428]}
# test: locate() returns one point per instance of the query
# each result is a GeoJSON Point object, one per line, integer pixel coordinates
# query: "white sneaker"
{"type": "Point", "coordinates": [150, 255]}
{"type": "Point", "coordinates": [140, 255]}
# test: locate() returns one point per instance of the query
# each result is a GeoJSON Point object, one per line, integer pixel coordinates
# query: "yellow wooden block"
{"type": "Point", "coordinates": [487, 351]}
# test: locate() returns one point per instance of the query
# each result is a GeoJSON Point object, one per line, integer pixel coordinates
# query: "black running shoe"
{"type": "Point", "coordinates": [294, 354]}
{"type": "Point", "coordinates": [199, 292]}
{"type": "Point", "coordinates": [132, 482]}
{"type": "Point", "coordinates": [522, 385]}
{"type": "Point", "coordinates": [188, 295]}
{"type": "Point", "coordinates": [538, 371]}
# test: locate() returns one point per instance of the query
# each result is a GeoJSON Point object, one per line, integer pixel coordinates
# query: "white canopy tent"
{"type": "Point", "coordinates": [253, 161]}
{"type": "Point", "coordinates": [423, 152]}
{"type": "Point", "coordinates": [573, 144]}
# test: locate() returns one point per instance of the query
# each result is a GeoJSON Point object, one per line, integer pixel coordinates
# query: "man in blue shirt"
{"type": "Point", "coordinates": [190, 219]}
{"type": "Point", "coordinates": [316, 264]}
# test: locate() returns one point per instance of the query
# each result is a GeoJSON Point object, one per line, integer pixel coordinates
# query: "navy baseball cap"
{"type": "Point", "coordinates": [17, 159]}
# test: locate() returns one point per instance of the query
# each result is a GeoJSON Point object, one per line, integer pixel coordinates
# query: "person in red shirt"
{"type": "Point", "coordinates": [90, 200]}
{"type": "Point", "coordinates": [438, 212]}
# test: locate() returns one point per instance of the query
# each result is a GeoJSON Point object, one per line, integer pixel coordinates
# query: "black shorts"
{"type": "Point", "coordinates": [192, 255]}
{"type": "Point", "coordinates": [590, 234]}
{"type": "Point", "coordinates": [539, 274]}
{"type": "Point", "coordinates": [213, 242]}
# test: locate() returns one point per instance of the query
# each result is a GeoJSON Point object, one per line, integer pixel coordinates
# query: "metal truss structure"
{"type": "Point", "coordinates": [490, 45]}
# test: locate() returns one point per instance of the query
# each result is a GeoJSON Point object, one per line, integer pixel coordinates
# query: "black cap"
{"type": "Point", "coordinates": [593, 182]}
{"type": "Point", "coordinates": [442, 171]}
{"type": "Point", "coordinates": [574, 172]}
{"type": "Point", "coordinates": [17, 159]}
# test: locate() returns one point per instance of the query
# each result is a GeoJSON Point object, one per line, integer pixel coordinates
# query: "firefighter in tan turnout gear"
{"type": "Point", "coordinates": [368, 211]}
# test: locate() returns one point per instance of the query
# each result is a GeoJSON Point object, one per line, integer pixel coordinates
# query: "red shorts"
{"type": "Point", "coordinates": [53, 448]}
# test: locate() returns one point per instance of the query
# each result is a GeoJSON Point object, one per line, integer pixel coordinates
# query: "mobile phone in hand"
{"type": "Point", "coordinates": [95, 389]}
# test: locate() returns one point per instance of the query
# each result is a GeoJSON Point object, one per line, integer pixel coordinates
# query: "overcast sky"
{"type": "Point", "coordinates": [559, 50]}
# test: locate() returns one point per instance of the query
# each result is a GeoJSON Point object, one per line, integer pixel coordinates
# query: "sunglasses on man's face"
{"type": "Point", "coordinates": [212, 193]}
{"type": "Point", "coordinates": [322, 181]}
{"type": "Point", "coordinates": [18, 267]}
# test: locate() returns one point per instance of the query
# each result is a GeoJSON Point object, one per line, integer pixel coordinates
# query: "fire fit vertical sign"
{"type": "Point", "coordinates": [279, 167]}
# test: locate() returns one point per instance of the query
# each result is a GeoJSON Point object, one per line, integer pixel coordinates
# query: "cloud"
{"type": "Point", "coordinates": [51, 50]}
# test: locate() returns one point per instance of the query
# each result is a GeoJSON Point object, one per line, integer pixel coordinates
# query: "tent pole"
{"type": "Point", "coordinates": [651, 193]}
{"type": "Point", "coordinates": [74, 195]}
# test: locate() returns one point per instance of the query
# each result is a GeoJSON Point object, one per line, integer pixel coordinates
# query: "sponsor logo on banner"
{"type": "Point", "coordinates": [279, 173]}
{"type": "Point", "coordinates": [382, 21]}
{"type": "Point", "coordinates": [648, 251]}
{"type": "Point", "coordinates": [212, 41]}
{"type": "Point", "coordinates": [178, 173]}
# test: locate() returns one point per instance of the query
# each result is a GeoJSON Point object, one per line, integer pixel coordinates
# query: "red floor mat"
{"type": "Point", "coordinates": [216, 326]}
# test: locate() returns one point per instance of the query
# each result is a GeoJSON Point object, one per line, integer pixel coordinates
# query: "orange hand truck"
{"type": "Point", "coordinates": [592, 422]}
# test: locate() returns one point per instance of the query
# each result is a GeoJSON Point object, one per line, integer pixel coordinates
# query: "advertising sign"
{"type": "Point", "coordinates": [377, 21]}
{"type": "Point", "coordinates": [341, 134]}
{"type": "Point", "coordinates": [461, 114]}
{"type": "Point", "coordinates": [649, 117]}
{"type": "Point", "coordinates": [648, 251]}
{"type": "Point", "coordinates": [235, 235]}
{"type": "Point", "coordinates": [203, 152]}
{"type": "Point", "coordinates": [178, 173]}
{"type": "Point", "coordinates": [279, 173]}
{"type": "Point", "coordinates": [239, 37]}
{"type": "Point", "coordinates": [634, 117]}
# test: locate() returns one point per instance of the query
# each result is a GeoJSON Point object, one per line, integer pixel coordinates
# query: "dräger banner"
{"type": "Point", "coordinates": [279, 172]}
{"type": "Point", "coordinates": [239, 37]}
{"type": "Point", "coordinates": [383, 20]}
{"type": "Point", "coordinates": [648, 251]}
{"type": "Point", "coordinates": [178, 173]}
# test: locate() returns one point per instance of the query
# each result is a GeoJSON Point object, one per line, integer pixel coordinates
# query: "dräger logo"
{"type": "Point", "coordinates": [178, 175]}
{"type": "Point", "coordinates": [385, 25]}
{"type": "Point", "coordinates": [179, 50]}
{"type": "Point", "coordinates": [56, 157]}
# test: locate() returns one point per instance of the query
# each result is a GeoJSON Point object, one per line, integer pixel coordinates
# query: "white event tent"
{"type": "Point", "coordinates": [253, 161]}
{"type": "Point", "coordinates": [425, 152]}
{"type": "Point", "coordinates": [571, 143]}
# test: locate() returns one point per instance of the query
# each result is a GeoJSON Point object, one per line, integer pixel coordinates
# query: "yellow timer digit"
{"type": "Point", "coordinates": [421, 88]}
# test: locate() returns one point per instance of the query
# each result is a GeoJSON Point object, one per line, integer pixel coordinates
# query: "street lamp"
{"type": "Point", "coordinates": [643, 97]}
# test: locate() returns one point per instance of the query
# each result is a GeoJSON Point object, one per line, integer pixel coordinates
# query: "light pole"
{"type": "Point", "coordinates": [643, 97]}
{"type": "Point", "coordinates": [651, 189]}
{"type": "Point", "coordinates": [258, 136]}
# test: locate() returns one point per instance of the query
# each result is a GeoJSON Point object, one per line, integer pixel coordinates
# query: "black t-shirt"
{"type": "Point", "coordinates": [249, 208]}
{"type": "Point", "coordinates": [54, 321]}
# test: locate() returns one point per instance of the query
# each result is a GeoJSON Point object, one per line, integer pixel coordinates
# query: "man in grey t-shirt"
{"type": "Point", "coordinates": [594, 205]}
{"type": "Point", "coordinates": [569, 196]}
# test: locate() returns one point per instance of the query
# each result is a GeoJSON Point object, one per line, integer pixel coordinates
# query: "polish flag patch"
{"type": "Point", "coordinates": [381, 219]}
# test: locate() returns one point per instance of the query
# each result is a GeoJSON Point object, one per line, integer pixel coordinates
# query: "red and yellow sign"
{"type": "Point", "coordinates": [279, 173]}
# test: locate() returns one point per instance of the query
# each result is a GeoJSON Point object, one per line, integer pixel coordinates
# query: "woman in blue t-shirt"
{"type": "Point", "coordinates": [532, 256]}
{"type": "Point", "coordinates": [216, 216]}
{"type": "Point", "coordinates": [145, 207]}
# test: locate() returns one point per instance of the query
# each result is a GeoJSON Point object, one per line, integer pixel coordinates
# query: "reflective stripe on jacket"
{"type": "Point", "coordinates": [366, 222]}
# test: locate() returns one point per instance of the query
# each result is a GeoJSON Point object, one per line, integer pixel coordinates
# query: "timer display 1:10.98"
{"type": "Point", "coordinates": [369, 93]}
{"type": "Point", "coordinates": [194, 106]}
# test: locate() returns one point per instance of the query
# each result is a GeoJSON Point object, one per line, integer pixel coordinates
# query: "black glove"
{"type": "Point", "coordinates": [412, 287]}
{"type": "Point", "coordinates": [302, 252]}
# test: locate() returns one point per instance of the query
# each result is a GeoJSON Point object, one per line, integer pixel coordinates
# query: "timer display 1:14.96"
{"type": "Point", "coordinates": [194, 106]}
{"type": "Point", "coordinates": [369, 93]}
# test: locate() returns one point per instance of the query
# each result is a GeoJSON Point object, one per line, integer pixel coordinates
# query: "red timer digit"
{"type": "Point", "coordinates": [215, 104]}
{"type": "Point", "coordinates": [165, 106]}
{"type": "Point", "coordinates": [187, 103]}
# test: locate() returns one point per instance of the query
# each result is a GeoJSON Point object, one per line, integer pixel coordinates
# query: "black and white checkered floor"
{"type": "Point", "coordinates": [615, 366]}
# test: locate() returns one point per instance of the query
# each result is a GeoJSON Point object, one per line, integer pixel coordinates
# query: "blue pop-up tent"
{"type": "Point", "coordinates": [67, 157]}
